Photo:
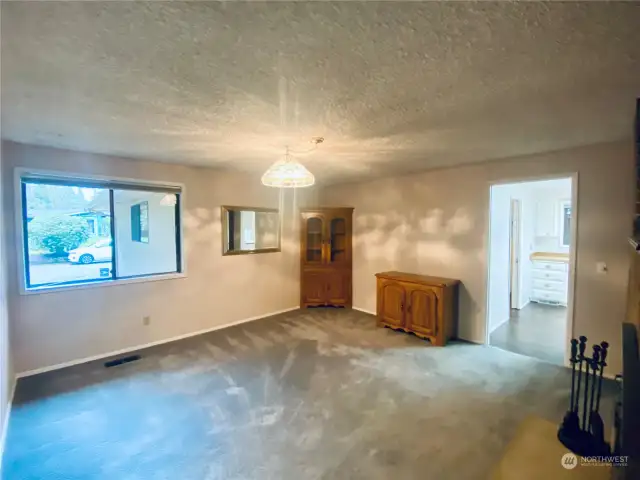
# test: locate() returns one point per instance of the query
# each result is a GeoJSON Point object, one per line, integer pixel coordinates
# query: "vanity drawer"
{"type": "Point", "coordinates": [549, 275]}
{"type": "Point", "coordinates": [549, 285]}
{"type": "Point", "coordinates": [554, 266]}
{"type": "Point", "coordinates": [550, 297]}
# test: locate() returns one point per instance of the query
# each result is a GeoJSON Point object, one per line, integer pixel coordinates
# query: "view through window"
{"type": "Point", "coordinates": [79, 232]}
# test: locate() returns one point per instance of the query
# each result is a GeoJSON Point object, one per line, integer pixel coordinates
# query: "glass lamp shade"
{"type": "Point", "coordinates": [288, 173]}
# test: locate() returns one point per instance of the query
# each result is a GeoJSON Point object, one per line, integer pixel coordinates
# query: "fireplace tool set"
{"type": "Point", "coordinates": [582, 429]}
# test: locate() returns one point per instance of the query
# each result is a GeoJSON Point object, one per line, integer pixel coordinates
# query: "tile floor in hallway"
{"type": "Point", "coordinates": [537, 331]}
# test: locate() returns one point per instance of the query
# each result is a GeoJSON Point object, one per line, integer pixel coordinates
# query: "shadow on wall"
{"type": "Point", "coordinates": [203, 232]}
{"type": "Point", "coordinates": [441, 241]}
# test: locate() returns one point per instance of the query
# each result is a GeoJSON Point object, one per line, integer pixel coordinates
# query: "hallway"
{"type": "Point", "coordinates": [537, 331]}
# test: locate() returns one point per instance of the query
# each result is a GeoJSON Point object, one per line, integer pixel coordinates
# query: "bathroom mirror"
{"type": "Point", "coordinates": [247, 230]}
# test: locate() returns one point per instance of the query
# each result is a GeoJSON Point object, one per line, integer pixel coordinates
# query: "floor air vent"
{"type": "Point", "coordinates": [120, 361]}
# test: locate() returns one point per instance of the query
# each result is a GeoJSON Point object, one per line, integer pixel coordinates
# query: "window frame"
{"type": "Point", "coordinates": [73, 179]}
{"type": "Point", "coordinates": [561, 230]}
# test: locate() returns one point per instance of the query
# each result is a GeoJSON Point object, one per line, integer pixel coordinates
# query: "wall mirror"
{"type": "Point", "coordinates": [247, 230]}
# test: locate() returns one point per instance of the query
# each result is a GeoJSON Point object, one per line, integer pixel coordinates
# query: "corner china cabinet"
{"type": "Point", "coordinates": [325, 257]}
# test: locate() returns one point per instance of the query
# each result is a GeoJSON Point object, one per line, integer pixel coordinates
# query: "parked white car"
{"type": "Point", "coordinates": [101, 251]}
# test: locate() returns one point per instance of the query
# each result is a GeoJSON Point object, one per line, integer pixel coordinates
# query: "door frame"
{"type": "Point", "coordinates": [573, 250]}
{"type": "Point", "coordinates": [515, 244]}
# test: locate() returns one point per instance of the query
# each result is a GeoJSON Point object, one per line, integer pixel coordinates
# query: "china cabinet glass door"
{"type": "Point", "coordinates": [314, 239]}
{"type": "Point", "coordinates": [338, 247]}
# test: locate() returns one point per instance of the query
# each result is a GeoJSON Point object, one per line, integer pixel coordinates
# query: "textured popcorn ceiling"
{"type": "Point", "coordinates": [394, 87]}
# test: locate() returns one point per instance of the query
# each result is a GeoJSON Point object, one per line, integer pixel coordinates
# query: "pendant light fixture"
{"type": "Point", "coordinates": [289, 173]}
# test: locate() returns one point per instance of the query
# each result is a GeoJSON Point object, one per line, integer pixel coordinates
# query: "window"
{"type": "Point", "coordinates": [78, 231]}
{"type": "Point", "coordinates": [565, 224]}
{"type": "Point", "coordinates": [140, 222]}
{"type": "Point", "coordinates": [92, 225]}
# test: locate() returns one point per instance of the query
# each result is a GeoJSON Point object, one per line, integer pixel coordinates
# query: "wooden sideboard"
{"type": "Point", "coordinates": [424, 305]}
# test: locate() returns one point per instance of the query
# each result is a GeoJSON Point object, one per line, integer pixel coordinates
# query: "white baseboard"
{"type": "Point", "coordinates": [5, 423]}
{"type": "Point", "coordinates": [499, 325]}
{"type": "Point", "coordinates": [363, 310]}
{"type": "Point", "coordinates": [58, 366]}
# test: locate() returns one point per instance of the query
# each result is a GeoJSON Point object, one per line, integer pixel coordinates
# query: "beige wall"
{"type": "Point", "coordinates": [436, 223]}
{"type": "Point", "coordinates": [6, 371]}
{"type": "Point", "coordinates": [57, 327]}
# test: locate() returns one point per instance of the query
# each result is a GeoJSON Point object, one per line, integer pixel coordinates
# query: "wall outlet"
{"type": "Point", "coordinates": [146, 321]}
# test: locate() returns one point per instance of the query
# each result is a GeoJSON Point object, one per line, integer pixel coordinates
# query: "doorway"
{"type": "Point", "coordinates": [514, 253]}
{"type": "Point", "coordinates": [530, 264]}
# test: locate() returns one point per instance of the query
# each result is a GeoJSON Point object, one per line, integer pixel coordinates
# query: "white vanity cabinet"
{"type": "Point", "coordinates": [550, 282]}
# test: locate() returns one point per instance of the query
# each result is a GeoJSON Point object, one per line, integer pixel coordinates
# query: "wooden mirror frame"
{"type": "Point", "coordinates": [224, 218]}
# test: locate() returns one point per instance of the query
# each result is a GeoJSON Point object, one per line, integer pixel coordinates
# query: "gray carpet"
{"type": "Point", "coordinates": [315, 394]}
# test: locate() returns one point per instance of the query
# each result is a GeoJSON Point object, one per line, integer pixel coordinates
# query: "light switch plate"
{"type": "Point", "coordinates": [601, 267]}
